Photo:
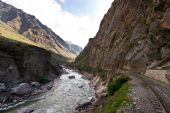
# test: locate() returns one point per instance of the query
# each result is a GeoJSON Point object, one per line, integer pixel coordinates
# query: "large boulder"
{"type": "Point", "coordinates": [35, 84]}
{"type": "Point", "coordinates": [71, 77]}
{"type": "Point", "coordinates": [83, 106]}
{"type": "Point", "coordinates": [22, 89]}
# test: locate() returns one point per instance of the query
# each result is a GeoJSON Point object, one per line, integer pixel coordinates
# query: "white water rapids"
{"type": "Point", "coordinates": [65, 95]}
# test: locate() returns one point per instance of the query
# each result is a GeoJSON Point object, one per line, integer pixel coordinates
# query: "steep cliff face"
{"type": "Point", "coordinates": [134, 34]}
{"type": "Point", "coordinates": [21, 62]}
{"type": "Point", "coordinates": [33, 29]}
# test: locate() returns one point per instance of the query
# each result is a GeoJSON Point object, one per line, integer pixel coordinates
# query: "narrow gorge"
{"type": "Point", "coordinates": [133, 39]}
{"type": "Point", "coordinates": [124, 68]}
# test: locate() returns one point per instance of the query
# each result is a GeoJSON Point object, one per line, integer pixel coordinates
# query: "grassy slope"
{"type": "Point", "coordinates": [113, 103]}
{"type": "Point", "coordinates": [10, 33]}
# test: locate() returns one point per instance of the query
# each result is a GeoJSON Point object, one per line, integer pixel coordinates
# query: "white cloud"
{"type": "Point", "coordinates": [62, 1]}
{"type": "Point", "coordinates": [77, 29]}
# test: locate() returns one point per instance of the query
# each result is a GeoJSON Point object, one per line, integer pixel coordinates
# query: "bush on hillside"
{"type": "Point", "coordinates": [115, 85]}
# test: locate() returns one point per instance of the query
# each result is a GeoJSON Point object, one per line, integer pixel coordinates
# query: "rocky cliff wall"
{"type": "Point", "coordinates": [133, 35]}
{"type": "Point", "coordinates": [22, 63]}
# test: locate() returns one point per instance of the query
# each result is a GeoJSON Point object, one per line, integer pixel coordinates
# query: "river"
{"type": "Point", "coordinates": [65, 95]}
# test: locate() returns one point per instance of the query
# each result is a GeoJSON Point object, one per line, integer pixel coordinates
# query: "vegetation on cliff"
{"type": "Point", "coordinates": [113, 103]}
{"type": "Point", "coordinates": [116, 84]}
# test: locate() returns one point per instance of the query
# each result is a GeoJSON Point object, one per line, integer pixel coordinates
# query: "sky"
{"type": "Point", "coordinates": [73, 20]}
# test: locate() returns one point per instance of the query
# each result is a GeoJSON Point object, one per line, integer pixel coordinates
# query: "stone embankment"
{"type": "Point", "coordinates": [160, 75]}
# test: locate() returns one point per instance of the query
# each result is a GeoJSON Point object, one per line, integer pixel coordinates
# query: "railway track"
{"type": "Point", "coordinates": [160, 97]}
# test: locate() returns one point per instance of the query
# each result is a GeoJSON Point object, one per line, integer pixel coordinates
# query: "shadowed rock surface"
{"type": "Point", "coordinates": [22, 62]}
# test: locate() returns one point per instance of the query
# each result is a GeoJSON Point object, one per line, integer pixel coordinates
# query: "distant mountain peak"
{"type": "Point", "coordinates": [76, 49]}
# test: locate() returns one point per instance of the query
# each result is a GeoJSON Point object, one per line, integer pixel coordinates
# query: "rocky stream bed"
{"type": "Point", "coordinates": [69, 91]}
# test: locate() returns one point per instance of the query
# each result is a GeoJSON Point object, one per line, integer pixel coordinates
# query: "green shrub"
{"type": "Point", "coordinates": [112, 88]}
{"type": "Point", "coordinates": [111, 104]}
{"type": "Point", "coordinates": [43, 79]}
{"type": "Point", "coordinates": [115, 85]}
{"type": "Point", "coordinates": [122, 79]}
{"type": "Point", "coordinates": [115, 102]}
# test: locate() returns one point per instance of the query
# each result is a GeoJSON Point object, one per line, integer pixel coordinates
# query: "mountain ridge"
{"type": "Point", "coordinates": [32, 28]}
{"type": "Point", "coordinates": [76, 49]}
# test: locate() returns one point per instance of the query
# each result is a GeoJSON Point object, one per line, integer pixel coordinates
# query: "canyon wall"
{"type": "Point", "coordinates": [20, 62]}
{"type": "Point", "coordinates": [133, 35]}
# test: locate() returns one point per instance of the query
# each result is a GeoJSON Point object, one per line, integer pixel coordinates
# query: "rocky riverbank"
{"type": "Point", "coordinates": [22, 92]}
{"type": "Point", "coordinates": [68, 91]}
{"type": "Point", "coordinates": [25, 71]}
{"type": "Point", "coordinates": [100, 91]}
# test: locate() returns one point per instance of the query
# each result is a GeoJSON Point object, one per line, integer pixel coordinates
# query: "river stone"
{"type": "Point", "coordinates": [81, 86]}
{"type": "Point", "coordinates": [71, 77]}
{"type": "Point", "coordinates": [2, 87]}
{"type": "Point", "coordinates": [83, 106]}
{"type": "Point", "coordinates": [22, 89]}
{"type": "Point", "coordinates": [35, 84]}
{"type": "Point", "coordinates": [91, 99]}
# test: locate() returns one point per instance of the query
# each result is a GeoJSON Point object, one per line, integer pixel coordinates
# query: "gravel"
{"type": "Point", "coordinates": [141, 98]}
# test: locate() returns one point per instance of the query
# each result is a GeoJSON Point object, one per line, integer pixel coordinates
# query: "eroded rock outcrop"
{"type": "Point", "coordinates": [21, 62]}
{"type": "Point", "coordinates": [133, 35]}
